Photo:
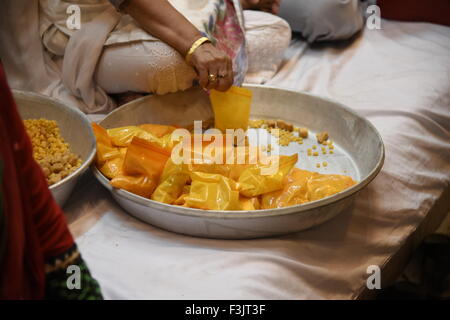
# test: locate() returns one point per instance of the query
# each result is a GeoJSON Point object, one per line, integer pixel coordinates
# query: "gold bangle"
{"type": "Point", "coordinates": [197, 43]}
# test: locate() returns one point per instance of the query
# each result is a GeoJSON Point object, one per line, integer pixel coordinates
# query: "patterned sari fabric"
{"type": "Point", "coordinates": [226, 33]}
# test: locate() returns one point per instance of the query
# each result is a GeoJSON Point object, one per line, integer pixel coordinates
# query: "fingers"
{"type": "Point", "coordinates": [202, 76]}
{"type": "Point", "coordinates": [214, 68]}
{"type": "Point", "coordinates": [225, 76]}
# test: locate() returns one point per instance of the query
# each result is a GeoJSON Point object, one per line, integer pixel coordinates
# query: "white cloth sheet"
{"type": "Point", "coordinates": [399, 78]}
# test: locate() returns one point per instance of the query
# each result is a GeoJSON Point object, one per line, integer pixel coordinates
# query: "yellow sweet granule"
{"type": "Point", "coordinates": [303, 133]}
{"type": "Point", "coordinates": [322, 137]}
{"type": "Point", "coordinates": [286, 132]}
{"type": "Point", "coordinates": [50, 150]}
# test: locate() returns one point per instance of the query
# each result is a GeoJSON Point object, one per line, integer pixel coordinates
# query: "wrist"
{"type": "Point", "coordinates": [193, 48]}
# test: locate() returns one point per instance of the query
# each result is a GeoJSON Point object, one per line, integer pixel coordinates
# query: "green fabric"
{"type": "Point", "coordinates": [57, 287]}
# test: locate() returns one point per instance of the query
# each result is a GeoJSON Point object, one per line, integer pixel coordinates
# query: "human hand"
{"type": "Point", "coordinates": [213, 66]}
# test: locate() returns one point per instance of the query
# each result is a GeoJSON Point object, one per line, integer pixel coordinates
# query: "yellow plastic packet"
{"type": "Point", "coordinates": [252, 183]}
{"type": "Point", "coordinates": [122, 136]}
{"type": "Point", "coordinates": [143, 163]}
{"type": "Point", "coordinates": [294, 192]}
{"type": "Point", "coordinates": [158, 130]}
{"type": "Point", "coordinates": [249, 203]}
{"type": "Point", "coordinates": [181, 201]}
{"type": "Point", "coordinates": [145, 158]}
{"type": "Point", "coordinates": [231, 108]}
{"type": "Point", "coordinates": [212, 192]}
{"type": "Point", "coordinates": [171, 188]}
{"type": "Point", "coordinates": [324, 185]}
{"type": "Point", "coordinates": [140, 185]}
{"type": "Point", "coordinates": [113, 167]}
{"type": "Point", "coordinates": [304, 186]}
{"type": "Point", "coordinates": [170, 168]}
{"type": "Point", "coordinates": [105, 148]}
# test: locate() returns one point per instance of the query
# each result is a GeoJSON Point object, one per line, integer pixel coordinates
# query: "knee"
{"type": "Point", "coordinates": [266, 30]}
{"type": "Point", "coordinates": [322, 20]}
{"type": "Point", "coordinates": [167, 72]}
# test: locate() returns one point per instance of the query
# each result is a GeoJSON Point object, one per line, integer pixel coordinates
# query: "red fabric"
{"type": "Point", "coordinates": [434, 11]}
{"type": "Point", "coordinates": [36, 229]}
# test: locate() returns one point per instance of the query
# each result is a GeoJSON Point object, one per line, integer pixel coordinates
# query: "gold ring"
{"type": "Point", "coordinates": [212, 77]}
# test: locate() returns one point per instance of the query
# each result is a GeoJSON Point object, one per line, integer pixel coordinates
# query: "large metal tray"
{"type": "Point", "coordinates": [359, 152]}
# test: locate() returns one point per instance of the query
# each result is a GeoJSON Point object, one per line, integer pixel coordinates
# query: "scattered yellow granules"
{"type": "Point", "coordinates": [322, 137]}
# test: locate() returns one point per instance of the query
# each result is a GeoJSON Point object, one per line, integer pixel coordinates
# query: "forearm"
{"type": "Point", "coordinates": [160, 19]}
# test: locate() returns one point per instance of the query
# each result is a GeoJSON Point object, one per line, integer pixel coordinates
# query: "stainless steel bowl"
{"type": "Point", "coordinates": [74, 126]}
{"type": "Point", "coordinates": [359, 152]}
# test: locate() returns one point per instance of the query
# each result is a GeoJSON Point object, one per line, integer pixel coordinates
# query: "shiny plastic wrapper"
{"type": "Point", "coordinates": [140, 185]}
{"type": "Point", "coordinates": [231, 108]}
{"type": "Point", "coordinates": [212, 192]}
{"type": "Point", "coordinates": [253, 182]}
{"type": "Point", "coordinates": [142, 166]}
{"type": "Point", "coordinates": [158, 130]}
{"type": "Point", "coordinates": [105, 148]}
{"type": "Point", "coordinates": [303, 186]}
{"type": "Point", "coordinates": [122, 136]}
{"type": "Point", "coordinates": [171, 188]}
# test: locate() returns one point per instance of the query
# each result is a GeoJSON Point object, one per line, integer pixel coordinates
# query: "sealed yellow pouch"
{"type": "Point", "coordinates": [170, 168]}
{"type": "Point", "coordinates": [105, 148]}
{"type": "Point", "coordinates": [158, 130]}
{"type": "Point", "coordinates": [143, 163]}
{"type": "Point", "coordinates": [294, 192]}
{"type": "Point", "coordinates": [140, 185]}
{"type": "Point", "coordinates": [324, 185]}
{"type": "Point", "coordinates": [122, 136]}
{"type": "Point", "coordinates": [212, 192]}
{"type": "Point", "coordinates": [181, 201]}
{"type": "Point", "coordinates": [171, 188]}
{"type": "Point", "coordinates": [249, 203]}
{"type": "Point", "coordinates": [231, 108]}
{"type": "Point", "coordinates": [113, 167]}
{"type": "Point", "coordinates": [145, 158]}
{"type": "Point", "coordinates": [253, 183]}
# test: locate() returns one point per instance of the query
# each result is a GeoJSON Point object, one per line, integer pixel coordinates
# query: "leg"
{"type": "Point", "coordinates": [320, 20]}
{"type": "Point", "coordinates": [143, 66]}
{"type": "Point", "coordinates": [267, 37]}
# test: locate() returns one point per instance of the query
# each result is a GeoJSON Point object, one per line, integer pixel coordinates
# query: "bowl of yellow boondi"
{"type": "Point", "coordinates": [62, 139]}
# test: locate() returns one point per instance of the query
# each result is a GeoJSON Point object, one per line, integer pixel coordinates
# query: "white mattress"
{"type": "Point", "coordinates": [399, 78]}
